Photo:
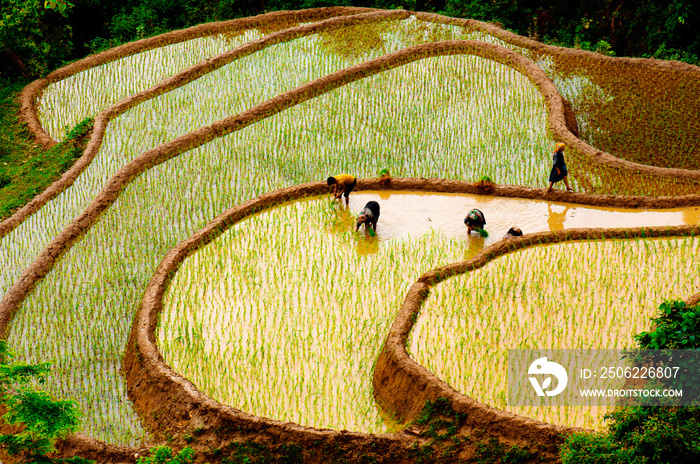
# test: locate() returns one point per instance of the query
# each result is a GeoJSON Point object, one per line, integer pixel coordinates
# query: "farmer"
{"type": "Point", "coordinates": [368, 216]}
{"type": "Point", "coordinates": [513, 232]}
{"type": "Point", "coordinates": [342, 185]}
{"type": "Point", "coordinates": [475, 220]}
{"type": "Point", "coordinates": [559, 171]}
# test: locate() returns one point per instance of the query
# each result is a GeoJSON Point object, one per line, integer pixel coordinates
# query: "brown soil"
{"type": "Point", "coordinates": [662, 133]}
{"type": "Point", "coordinates": [166, 400]}
{"type": "Point", "coordinates": [169, 403]}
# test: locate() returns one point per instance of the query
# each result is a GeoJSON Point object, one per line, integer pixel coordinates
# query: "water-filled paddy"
{"type": "Point", "coordinates": [283, 315]}
{"type": "Point", "coordinates": [415, 213]}
{"type": "Point", "coordinates": [594, 294]}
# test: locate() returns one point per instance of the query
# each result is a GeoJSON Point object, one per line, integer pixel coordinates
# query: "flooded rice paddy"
{"type": "Point", "coordinates": [284, 314]}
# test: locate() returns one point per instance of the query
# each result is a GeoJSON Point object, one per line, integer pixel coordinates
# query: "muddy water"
{"type": "Point", "coordinates": [412, 214]}
{"type": "Point", "coordinates": [284, 314]}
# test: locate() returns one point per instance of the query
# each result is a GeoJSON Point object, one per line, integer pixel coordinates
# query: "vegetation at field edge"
{"type": "Point", "coordinates": [649, 434]}
{"type": "Point", "coordinates": [25, 168]}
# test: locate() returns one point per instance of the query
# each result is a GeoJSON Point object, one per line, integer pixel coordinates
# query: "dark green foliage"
{"type": "Point", "coordinates": [164, 455]}
{"type": "Point", "coordinates": [677, 327]}
{"type": "Point", "coordinates": [642, 434]}
{"type": "Point", "coordinates": [665, 30]}
{"type": "Point", "coordinates": [33, 39]}
{"type": "Point", "coordinates": [493, 451]}
{"type": "Point", "coordinates": [645, 434]}
{"type": "Point", "coordinates": [26, 169]}
{"type": "Point", "coordinates": [596, 449]}
{"type": "Point", "coordinates": [43, 420]}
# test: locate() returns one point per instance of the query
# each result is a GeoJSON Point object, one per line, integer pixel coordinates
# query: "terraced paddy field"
{"type": "Point", "coordinates": [262, 316]}
{"type": "Point", "coordinates": [283, 315]}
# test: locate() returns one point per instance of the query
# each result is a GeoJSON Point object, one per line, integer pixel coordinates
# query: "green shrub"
{"type": "Point", "coordinates": [43, 419]}
{"type": "Point", "coordinates": [646, 434]}
{"type": "Point", "coordinates": [164, 455]}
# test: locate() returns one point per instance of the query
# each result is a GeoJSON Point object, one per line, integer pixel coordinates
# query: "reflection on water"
{"type": "Point", "coordinates": [413, 214]}
{"type": "Point", "coordinates": [555, 219]}
{"type": "Point", "coordinates": [692, 215]}
{"type": "Point", "coordinates": [366, 244]}
{"type": "Point", "coordinates": [476, 244]}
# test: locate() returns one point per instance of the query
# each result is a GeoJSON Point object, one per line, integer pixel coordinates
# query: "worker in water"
{"type": "Point", "coordinates": [513, 232]}
{"type": "Point", "coordinates": [475, 220]}
{"type": "Point", "coordinates": [342, 185]}
{"type": "Point", "coordinates": [559, 171]}
{"type": "Point", "coordinates": [368, 216]}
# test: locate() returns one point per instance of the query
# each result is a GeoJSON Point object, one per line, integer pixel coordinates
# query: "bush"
{"type": "Point", "coordinates": [164, 455]}
{"type": "Point", "coordinates": [44, 420]}
{"type": "Point", "coordinates": [646, 434]}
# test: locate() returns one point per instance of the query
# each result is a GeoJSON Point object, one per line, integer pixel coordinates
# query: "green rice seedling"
{"type": "Point", "coordinates": [594, 294]}
{"type": "Point", "coordinates": [68, 101]}
{"type": "Point", "coordinates": [309, 346]}
{"type": "Point", "coordinates": [265, 322]}
{"type": "Point", "coordinates": [442, 117]}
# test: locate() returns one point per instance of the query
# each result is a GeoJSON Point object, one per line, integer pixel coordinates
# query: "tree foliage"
{"type": "Point", "coordinates": [42, 419]}
{"type": "Point", "coordinates": [649, 434]}
{"type": "Point", "coordinates": [38, 35]}
{"type": "Point", "coordinates": [164, 455]}
{"type": "Point", "coordinates": [33, 39]}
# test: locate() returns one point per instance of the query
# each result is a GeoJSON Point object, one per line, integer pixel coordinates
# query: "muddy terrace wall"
{"type": "Point", "coordinates": [166, 400]}
{"type": "Point", "coordinates": [562, 128]}
{"type": "Point", "coordinates": [147, 378]}
{"type": "Point", "coordinates": [109, 194]}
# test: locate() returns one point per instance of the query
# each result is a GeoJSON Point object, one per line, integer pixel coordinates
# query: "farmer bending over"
{"type": "Point", "coordinates": [475, 220]}
{"type": "Point", "coordinates": [368, 216]}
{"type": "Point", "coordinates": [513, 232]}
{"type": "Point", "coordinates": [342, 185]}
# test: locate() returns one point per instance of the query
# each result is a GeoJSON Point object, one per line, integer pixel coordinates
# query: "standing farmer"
{"type": "Point", "coordinates": [559, 171]}
{"type": "Point", "coordinates": [342, 185]}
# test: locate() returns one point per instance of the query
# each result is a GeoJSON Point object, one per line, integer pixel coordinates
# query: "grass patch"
{"type": "Point", "coordinates": [25, 168]}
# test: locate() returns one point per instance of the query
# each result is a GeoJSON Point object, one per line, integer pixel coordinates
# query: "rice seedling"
{"type": "Point", "coordinates": [197, 105]}
{"type": "Point", "coordinates": [289, 314]}
{"type": "Point", "coordinates": [101, 278]}
{"type": "Point", "coordinates": [595, 294]}
{"type": "Point", "coordinates": [452, 117]}
{"type": "Point", "coordinates": [68, 101]}
{"type": "Point", "coordinates": [290, 304]}
{"type": "Point", "coordinates": [643, 115]}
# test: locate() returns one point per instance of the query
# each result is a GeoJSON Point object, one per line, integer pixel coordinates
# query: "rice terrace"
{"type": "Point", "coordinates": [192, 284]}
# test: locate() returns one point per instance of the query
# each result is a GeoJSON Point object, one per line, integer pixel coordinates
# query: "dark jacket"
{"type": "Point", "coordinates": [559, 165]}
{"type": "Point", "coordinates": [368, 216]}
{"type": "Point", "coordinates": [475, 219]}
